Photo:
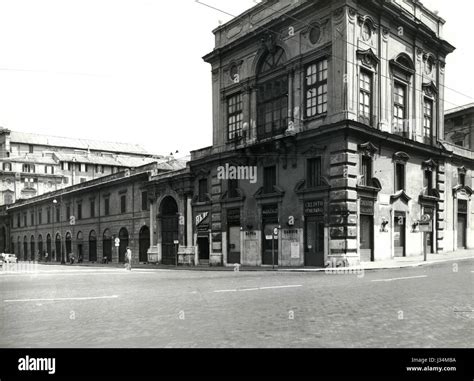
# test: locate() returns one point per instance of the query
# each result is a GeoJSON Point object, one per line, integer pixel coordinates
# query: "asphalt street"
{"type": "Point", "coordinates": [75, 307]}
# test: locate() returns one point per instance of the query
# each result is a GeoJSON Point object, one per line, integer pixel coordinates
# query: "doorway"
{"type": "Point", "coordinates": [462, 227]}
{"type": "Point", "coordinates": [169, 230]}
{"type": "Point", "coordinates": [234, 245]}
{"type": "Point", "coordinates": [314, 242]}
{"type": "Point", "coordinates": [366, 238]}
{"type": "Point", "coordinates": [123, 236]}
{"type": "Point", "coordinates": [400, 234]}
{"type": "Point", "coordinates": [203, 247]}
{"type": "Point", "coordinates": [270, 245]}
{"type": "Point", "coordinates": [144, 244]}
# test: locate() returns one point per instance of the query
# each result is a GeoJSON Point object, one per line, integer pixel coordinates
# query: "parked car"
{"type": "Point", "coordinates": [8, 258]}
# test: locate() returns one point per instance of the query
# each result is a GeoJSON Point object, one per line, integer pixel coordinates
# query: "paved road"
{"type": "Point", "coordinates": [68, 307]}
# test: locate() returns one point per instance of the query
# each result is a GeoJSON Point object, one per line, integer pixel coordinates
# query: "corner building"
{"type": "Point", "coordinates": [340, 107]}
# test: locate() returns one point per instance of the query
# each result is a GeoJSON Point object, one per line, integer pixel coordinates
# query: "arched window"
{"type": "Point", "coordinates": [272, 95]}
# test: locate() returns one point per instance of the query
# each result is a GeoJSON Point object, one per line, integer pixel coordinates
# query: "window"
{"type": "Point", "coordinates": [399, 109]}
{"type": "Point", "coordinates": [317, 88]}
{"type": "Point", "coordinates": [92, 210]}
{"type": "Point", "coordinates": [18, 221]}
{"type": "Point", "coordinates": [365, 97]}
{"type": "Point", "coordinates": [7, 167]}
{"type": "Point", "coordinates": [28, 168]}
{"type": "Point", "coordinates": [272, 108]}
{"type": "Point", "coordinates": [79, 211]}
{"type": "Point", "coordinates": [40, 217]}
{"type": "Point", "coordinates": [427, 118]}
{"type": "Point", "coordinates": [145, 200]}
{"type": "Point", "coordinates": [203, 190]}
{"type": "Point", "coordinates": [234, 117]}
{"type": "Point", "coordinates": [68, 212]}
{"type": "Point", "coordinates": [31, 149]}
{"type": "Point", "coordinates": [459, 143]}
{"type": "Point", "coordinates": [32, 219]}
{"type": "Point", "coordinates": [58, 214]}
{"type": "Point", "coordinates": [70, 166]}
{"type": "Point", "coordinates": [314, 172]}
{"type": "Point", "coordinates": [25, 220]}
{"type": "Point", "coordinates": [366, 170]}
{"type": "Point", "coordinates": [399, 177]}
{"type": "Point", "coordinates": [107, 206]}
{"type": "Point", "coordinates": [48, 215]}
{"type": "Point", "coordinates": [428, 181]}
{"type": "Point", "coordinates": [123, 204]}
{"type": "Point", "coordinates": [462, 179]}
{"type": "Point", "coordinates": [269, 179]}
{"type": "Point", "coordinates": [233, 185]}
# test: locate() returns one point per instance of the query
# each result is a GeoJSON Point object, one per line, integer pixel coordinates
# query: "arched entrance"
{"type": "Point", "coordinates": [92, 246]}
{"type": "Point", "coordinates": [144, 243]}
{"type": "Point", "coordinates": [107, 245]}
{"type": "Point", "coordinates": [80, 247]}
{"type": "Point", "coordinates": [169, 230]}
{"type": "Point", "coordinates": [48, 247]}
{"type": "Point", "coordinates": [58, 248]}
{"type": "Point", "coordinates": [123, 235]}
{"type": "Point", "coordinates": [18, 247]}
{"type": "Point", "coordinates": [40, 248]}
{"type": "Point", "coordinates": [68, 246]}
{"type": "Point", "coordinates": [25, 248]}
{"type": "Point", "coordinates": [33, 248]}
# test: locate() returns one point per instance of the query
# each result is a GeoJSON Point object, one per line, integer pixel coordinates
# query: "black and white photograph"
{"type": "Point", "coordinates": [193, 177]}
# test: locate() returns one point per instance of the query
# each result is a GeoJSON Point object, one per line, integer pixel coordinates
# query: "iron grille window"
{"type": "Point", "coordinates": [399, 108]}
{"type": "Point", "coordinates": [233, 185]}
{"type": "Point", "coordinates": [427, 118]}
{"type": "Point", "coordinates": [399, 177]}
{"type": "Point", "coordinates": [269, 179]}
{"type": "Point", "coordinates": [203, 190]}
{"type": "Point", "coordinates": [107, 206]}
{"type": "Point", "coordinates": [234, 117]}
{"type": "Point", "coordinates": [428, 181]}
{"type": "Point", "coordinates": [317, 88]}
{"type": "Point", "coordinates": [366, 170]}
{"type": "Point", "coordinates": [314, 172]}
{"type": "Point", "coordinates": [365, 96]}
{"type": "Point", "coordinates": [92, 209]}
{"type": "Point", "coordinates": [145, 201]}
{"type": "Point", "coordinates": [123, 204]}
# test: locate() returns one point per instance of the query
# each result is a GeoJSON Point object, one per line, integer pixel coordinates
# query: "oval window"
{"type": "Point", "coordinates": [315, 34]}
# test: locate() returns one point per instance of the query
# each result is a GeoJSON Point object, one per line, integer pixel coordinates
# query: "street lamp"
{"type": "Point", "coordinates": [56, 203]}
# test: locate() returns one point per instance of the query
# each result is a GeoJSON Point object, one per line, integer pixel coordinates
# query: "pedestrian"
{"type": "Point", "coordinates": [46, 257]}
{"type": "Point", "coordinates": [129, 259]}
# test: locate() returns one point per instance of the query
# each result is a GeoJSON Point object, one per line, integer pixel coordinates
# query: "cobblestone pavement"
{"type": "Point", "coordinates": [64, 307]}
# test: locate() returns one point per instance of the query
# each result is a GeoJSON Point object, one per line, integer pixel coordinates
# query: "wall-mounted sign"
{"type": "Point", "coordinates": [314, 208]}
{"type": "Point", "coordinates": [367, 206]}
{"type": "Point", "coordinates": [201, 217]}
{"type": "Point", "coordinates": [233, 216]}
{"type": "Point", "coordinates": [270, 211]}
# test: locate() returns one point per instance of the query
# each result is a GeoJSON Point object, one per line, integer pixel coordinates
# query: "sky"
{"type": "Point", "coordinates": [132, 70]}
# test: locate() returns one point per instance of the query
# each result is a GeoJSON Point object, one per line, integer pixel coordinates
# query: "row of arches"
{"type": "Point", "coordinates": [41, 249]}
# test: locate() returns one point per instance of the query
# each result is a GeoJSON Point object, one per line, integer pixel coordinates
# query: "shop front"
{"type": "Point", "coordinates": [314, 233]}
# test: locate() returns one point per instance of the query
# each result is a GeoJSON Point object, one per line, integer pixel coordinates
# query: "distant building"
{"type": "Point", "coordinates": [32, 164]}
{"type": "Point", "coordinates": [459, 126]}
{"type": "Point", "coordinates": [93, 220]}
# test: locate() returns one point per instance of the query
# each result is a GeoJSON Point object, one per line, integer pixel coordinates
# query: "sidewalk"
{"type": "Point", "coordinates": [396, 263]}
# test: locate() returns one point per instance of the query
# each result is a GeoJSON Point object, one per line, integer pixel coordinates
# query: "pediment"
{"type": "Point", "coordinates": [368, 57]}
{"type": "Point", "coordinates": [400, 196]}
{"type": "Point", "coordinates": [368, 149]}
{"type": "Point", "coordinates": [430, 89]}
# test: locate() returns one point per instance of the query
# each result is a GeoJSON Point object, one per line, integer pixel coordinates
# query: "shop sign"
{"type": "Point", "coordinates": [367, 206]}
{"type": "Point", "coordinates": [314, 208]}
